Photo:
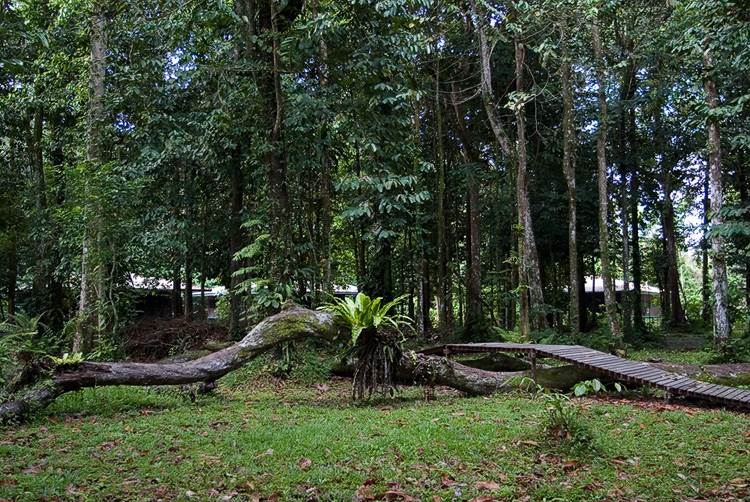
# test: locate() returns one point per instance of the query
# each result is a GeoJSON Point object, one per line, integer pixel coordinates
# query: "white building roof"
{"type": "Point", "coordinates": [596, 284]}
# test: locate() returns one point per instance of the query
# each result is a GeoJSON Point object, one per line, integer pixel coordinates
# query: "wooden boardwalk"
{"type": "Point", "coordinates": [625, 370]}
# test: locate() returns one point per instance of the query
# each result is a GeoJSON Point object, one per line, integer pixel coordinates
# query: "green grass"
{"type": "Point", "coordinates": [673, 356]}
{"type": "Point", "coordinates": [264, 436]}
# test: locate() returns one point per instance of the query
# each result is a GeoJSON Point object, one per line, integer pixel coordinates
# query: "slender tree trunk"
{"type": "Point", "coordinates": [705, 288]}
{"type": "Point", "coordinates": [530, 255]}
{"type": "Point", "coordinates": [34, 142]}
{"type": "Point", "coordinates": [672, 279]}
{"type": "Point", "coordinates": [361, 249]}
{"type": "Point", "coordinates": [638, 322]}
{"type": "Point", "coordinates": [569, 171]}
{"type": "Point", "coordinates": [601, 158]}
{"type": "Point", "coordinates": [12, 274]}
{"type": "Point", "coordinates": [474, 272]}
{"type": "Point", "coordinates": [176, 285]}
{"type": "Point", "coordinates": [281, 207]}
{"type": "Point", "coordinates": [722, 327]}
{"type": "Point", "coordinates": [473, 223]}
{"type": "Point", "coordinates": [742, 174]}
{"type": "Point", "coordinates": [627, 149]}
{"type": "Point", "coordinates": [235, 245]}
{"type": "Point", "coordinates": [582, 309]}
{"type": "Point", "coordinates": [88, 320]}
{"type": "Point", "coordinates": [445, 317]}
{"type": "Point", "coordinates": [326, 216]}
{"type": "Point", "coordinates": [188, 301]}
{"type": "Point", "coordinates": [677, 315]}
{"type": "Point", "coordinates": [530, 259]}
{"type": "Point", "coordinates": [514, 275]}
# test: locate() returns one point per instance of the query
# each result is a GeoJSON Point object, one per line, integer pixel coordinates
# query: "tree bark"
{"type": "Point", "coordinates": [672, 279]}
{"type": "Point", "coordinates": [530, 255]}
{"type": "Point", "coordinates": [722, 327]}
{"type": "Point", "coordinates": [444, 304]}
{"type": "Point", "coordinates": [295, 323]}
{"type": "Point", "coordinates": [601, 158]}
{"type": "Point", "coordinates": [742, 175]}
{"type": "Point", "coordinates": [638, 323]}
{"type": "Point", "coordinates": [530, 259]}
{"type": "Point", "coordinates": [88, 320]}
{"type": "Point", "coordinates": [235, 245]}
{"type": "Point", "coordinates": [705, 289]}
{"type": "Point", "coordinates": [291, 324]}
{"type": "Point", "coordinates": [569, 171]}
{"type": "Point", "coordinates": [473, 217]}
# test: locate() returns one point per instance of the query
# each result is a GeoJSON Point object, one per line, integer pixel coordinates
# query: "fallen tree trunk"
{"type": "Point", "coordinates": [421, 369]}
{"type": "Point", "coordinates": [298, 323]}
{"type": "Point", "coordinates": [291, 324]}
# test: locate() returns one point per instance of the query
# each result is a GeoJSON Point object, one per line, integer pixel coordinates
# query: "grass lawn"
{"type": "Point", "coordinates": [261, 438]}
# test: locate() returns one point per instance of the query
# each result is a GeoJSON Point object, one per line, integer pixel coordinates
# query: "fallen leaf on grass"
{"type": "Point", "coordinates": [54, 420]}
{"type": "Point", "coordinates": [267, 452]}
{"type": "Point", "coordinates": [391, 495]}
{"type": "Point", "coordinates": [484, 498]}
{"type": "Point", "coordinates": [532, 443]}
{"type": "Point", "coordinates": [304, 464]}
{"type": "Point", "coordinates": [487, 485]}
{"type": "Point", "coordinates": [321, 387]}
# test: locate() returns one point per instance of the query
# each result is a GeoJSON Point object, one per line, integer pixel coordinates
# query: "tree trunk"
{"type": "Point", "coordinates": [530, 259]}
{"type": "Point", "coordinates": [188, 293]}
{"type": "Point", "coordinates": [677, 315]}
{"type": "Point", "coordinates": [34, 142]}
{"type": "Point", "coordinates": [601, 158]}
{"type": "Point", "coordinates": [445, 318]}
{"type": "Point", "coordinates": [742, 174]}
{"type": "Point", "coordinates": [12, 274]}
{"type": "Point", "coordinates": [235, 245]}
{"type": "Point", "coordinates": [722, 327]}
{"type": "Point", "coordinates": [88, 320]}
{"type": "Point", "coordinates": [569, 171]}
{"type": "Point", "coordinates": [638, 323]}
{"type": "Point", "coordinates": [295, 323]}
{"type": "Point", "coordinates": [705, 289]}
{"type": "Point", "coordinates": [473, 222]}
{"type": "Point", "coordinates": [672, 276]}
{"type": "Point", "coordinates": [530, 256]}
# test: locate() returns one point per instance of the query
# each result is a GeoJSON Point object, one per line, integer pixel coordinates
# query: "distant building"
{"type": "Point", "coordinates": [649, 296]}
{"type": "Point", "coordinates": [156, 296]}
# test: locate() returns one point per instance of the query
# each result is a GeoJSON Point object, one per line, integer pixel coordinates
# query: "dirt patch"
{"type": "Point", "coordinates": [152, 339]}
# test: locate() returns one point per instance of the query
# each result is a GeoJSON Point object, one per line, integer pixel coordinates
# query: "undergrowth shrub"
{"type": "Point", "coordinates": [737, 350]}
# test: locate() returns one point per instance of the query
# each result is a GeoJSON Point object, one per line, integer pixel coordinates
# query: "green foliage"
{"type": "Point", "coordinates": [376, 340]}
{"type": "Point", "coordinates": [564, 419]}
{"type": "Point", "coordinates": [362, 314]}
{"type": "Point", "coordinates": [737, 350]}
{"type": "Point", "coordinates": [594, 386]}
{"type": "Point", "coordinates": [68, 359]}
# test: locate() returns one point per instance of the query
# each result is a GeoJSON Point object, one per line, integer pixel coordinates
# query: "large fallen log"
{"type": "Point", "coordinates": [293, 324]}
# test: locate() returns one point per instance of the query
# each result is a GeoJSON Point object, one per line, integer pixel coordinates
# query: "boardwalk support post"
{"type": "Point", "coordinates": [532, 359]}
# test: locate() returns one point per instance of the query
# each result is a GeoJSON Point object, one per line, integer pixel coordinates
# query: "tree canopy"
{"type": "Point", "coordinates": [483, 158]}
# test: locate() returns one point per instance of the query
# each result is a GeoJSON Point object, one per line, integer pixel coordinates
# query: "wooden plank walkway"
{"type": "Point", "coordinates": [623, 369]}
